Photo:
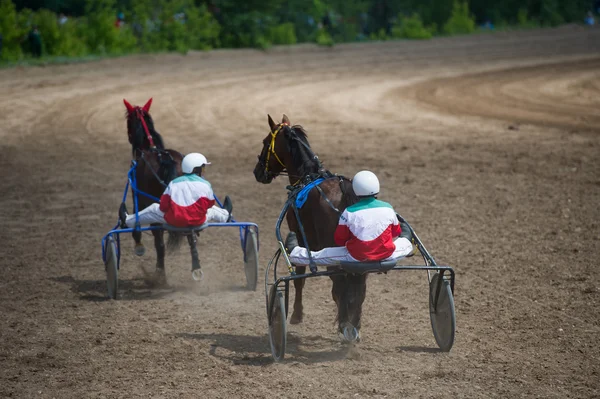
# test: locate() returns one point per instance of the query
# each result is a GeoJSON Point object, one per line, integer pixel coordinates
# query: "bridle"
{"type": "Point", "coordinates": [271, 150]}
{"type": "Point", "coordinates": [140, 114]}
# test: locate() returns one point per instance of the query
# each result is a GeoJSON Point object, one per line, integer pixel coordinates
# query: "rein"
{"type": "Point", "coordinates": [140, 115]}
{"type": "Point", "coordinates": [160, 155]}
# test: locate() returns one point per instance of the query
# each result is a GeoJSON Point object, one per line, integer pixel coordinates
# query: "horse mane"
{"type": "Point", "coordinates": [303, 159]}
{"type": "Point", "coordinates": [307, 164]}
{"type": "Point", "coordinates": [137, 134]}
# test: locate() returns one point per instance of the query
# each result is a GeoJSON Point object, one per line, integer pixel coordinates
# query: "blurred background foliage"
{"type": "Point", "coordinates": [77, 28]}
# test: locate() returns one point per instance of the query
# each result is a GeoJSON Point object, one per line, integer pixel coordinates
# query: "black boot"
{"type": "Point", "coordinates": [228, 207]}
{"type": "Point", "coordinates": [407, 233]}
{"type": "Point", "coordinates": [291, 242]}
{"type": "Point", "coordinates": [123, 215]}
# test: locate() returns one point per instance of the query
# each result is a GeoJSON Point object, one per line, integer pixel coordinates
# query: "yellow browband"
{"type": "Point", "coordinates": [272, 147]}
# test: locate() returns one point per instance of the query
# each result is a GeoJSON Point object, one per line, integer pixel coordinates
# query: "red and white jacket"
{"type": "Point", "coordinates": [186, 200]}
{"type": "Point", "coordinates": [367, 229]}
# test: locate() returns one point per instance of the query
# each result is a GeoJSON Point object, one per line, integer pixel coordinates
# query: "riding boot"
{"type": "Point", "coordinates": [291, 242]}
{"type": "Point", "coordinates": [228, 207]}
{"type": "Point", "coordinates": [407, 233]}
{"type": "Point", "coordinates": [123, 215]}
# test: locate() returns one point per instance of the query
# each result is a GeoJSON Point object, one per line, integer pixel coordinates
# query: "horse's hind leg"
{"type": "Point", "coordinates": [338, 292]}
{"type": "Point", "coordinates": [349, 292]}
{"type": "Point", "coordinates": [196, 271]}
{"type": "Point", "coordinates": [298, 314]}
{"type": "Point", "coordinates": [159, 244]}
{"type": "Point", "coordinates": [139, 247]}
{"type": "Point", "coordinates": [357, 290]}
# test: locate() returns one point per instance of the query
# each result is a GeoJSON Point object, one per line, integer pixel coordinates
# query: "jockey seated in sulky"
{"type": "Point", "coordinates": [187, 201]}
{"type": "Point", "coordinates": [368, 231]}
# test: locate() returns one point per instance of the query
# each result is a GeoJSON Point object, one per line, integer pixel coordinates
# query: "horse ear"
{"type": "Point", "coordinates": [146, 107]}
{"type": "Point", "coordinates": [285, 120]}
{"type": "Point", "coordinates": [128, 106]}
{"type": "Point", "coordinates": [272, 124]}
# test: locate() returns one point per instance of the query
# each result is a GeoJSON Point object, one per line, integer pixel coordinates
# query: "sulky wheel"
{"type": "Point", "coordinates": [112, 271]}
{"type": "Point", "coordinates": [251, 259]}
{"type": "Point", "coordinates": [277, 325]}
{"type": "Point", "coordinates": [443, 318]}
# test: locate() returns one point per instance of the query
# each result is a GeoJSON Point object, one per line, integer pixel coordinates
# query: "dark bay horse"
{"type": "Point", "coordinates": [286, 149]}
{"type": "Point", "coordinates": [156, 167]}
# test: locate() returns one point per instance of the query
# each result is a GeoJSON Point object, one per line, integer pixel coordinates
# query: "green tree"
{"type": "Point", "coordinates": [411, 28]}
{"type": "Point", "coordinates": [102, 36]}
{"type": "Point", "coordinates": [461, 21]}
{"type": "Point", "coordinates": [12, 33]}
{"type": "Point", "coordinates": [48, 27]}
{"type": "Point", "coordinates": [550, 13]}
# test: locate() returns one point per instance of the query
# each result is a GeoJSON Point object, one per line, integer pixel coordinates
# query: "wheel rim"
{"type": "Point", "coordinates": [443, 319]}
{"type": "Point", "coordinates": [277, 328]}
{"type": "Point", "coordinates": [251, 262]}
{"type": "Point", "coordinates": [112, 273]}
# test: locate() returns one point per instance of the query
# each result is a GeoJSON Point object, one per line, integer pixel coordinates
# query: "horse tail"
{"type": "Point", "coordinates": [173, 242]}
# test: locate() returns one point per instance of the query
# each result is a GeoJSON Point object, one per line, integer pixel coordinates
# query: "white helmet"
{"type": "Point", "coordinates": [365, 183]}
{"type": "Point", "coordinates": [192, 161]}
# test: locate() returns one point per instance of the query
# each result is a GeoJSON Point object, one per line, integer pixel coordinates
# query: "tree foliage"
{"type": "Point", "coordinates": [91, 26]}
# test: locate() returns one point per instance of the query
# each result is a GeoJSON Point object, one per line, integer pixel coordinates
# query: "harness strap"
{"type": "Point", "coordinates": [152, 169]}
{"type": "Point", "coordinates": [328, 200]}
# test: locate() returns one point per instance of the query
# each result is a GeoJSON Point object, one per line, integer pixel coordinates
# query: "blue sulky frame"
{"type": "Point", "coordinates": [115, 232]}
{"type": "Point", "coordinates": [275, 285]}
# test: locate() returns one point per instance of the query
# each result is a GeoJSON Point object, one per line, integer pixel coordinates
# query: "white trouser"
{"type": "Point", "coordinates": [214, 214]}
{"type": "Point", "coordinates": [336, 255]}
{"type": "Point", "coordinates": [153, 214]}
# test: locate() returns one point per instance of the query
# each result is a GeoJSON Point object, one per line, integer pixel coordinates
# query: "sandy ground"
{"type": "Point", "coordinates": [487, 144]}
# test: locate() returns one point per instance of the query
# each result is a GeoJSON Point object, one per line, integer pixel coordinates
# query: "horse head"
{"type": "Point", "coordinates": [140, 128]}
{"type": "Point", "coordinates": [285, 150]}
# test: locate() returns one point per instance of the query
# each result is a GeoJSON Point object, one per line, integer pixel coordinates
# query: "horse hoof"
{"type": "Point", "coordinates": [197, 275]}
{"type": "Point", "coordinates": [349, 334]}
{"type": "Point", "coordinates": [140, 250]}
{"type": "Point", "coordinates": [296, 319]}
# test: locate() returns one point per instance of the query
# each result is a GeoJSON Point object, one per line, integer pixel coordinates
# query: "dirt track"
{"type": "Point", "coordinates": [488, 145]}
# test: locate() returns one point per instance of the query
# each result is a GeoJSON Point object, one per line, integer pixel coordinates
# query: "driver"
{"type": "Point", "coordinates": [188, 200]}
{"type": "Point", "coordinates": [367, 231]}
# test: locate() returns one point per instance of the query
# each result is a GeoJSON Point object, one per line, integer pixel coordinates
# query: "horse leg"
{"type": "Point", "coordinates": [298, 314]}
{"type": "Point", "coordinates": [350, 291]}
{"type": "Point", "coordinates": [159, 244]}
{"type": "Point", "coordinates": [357, 290]}
{"type": "Point", "coordinates": [196, 271]}
{"type": "Point", "coordinates": [139, 247]}
{"type": "Point", "coordinates": [338, 292]}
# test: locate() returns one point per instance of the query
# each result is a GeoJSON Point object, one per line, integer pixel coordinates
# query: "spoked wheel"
{"type": "Point", "coordinates": [251, 260]}
{"type": "Point", "coordinates": [112, 271]}
{"type": "Point", "coordinates": [443, 318]}
{"type": "Point", "coordinates": [277, 325]}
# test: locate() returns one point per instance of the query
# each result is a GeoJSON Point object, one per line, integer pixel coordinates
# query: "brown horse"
{"type": "Point", "coordinates": [286, 149]}
{"type": "Point", "coordinates": [156, 167]}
